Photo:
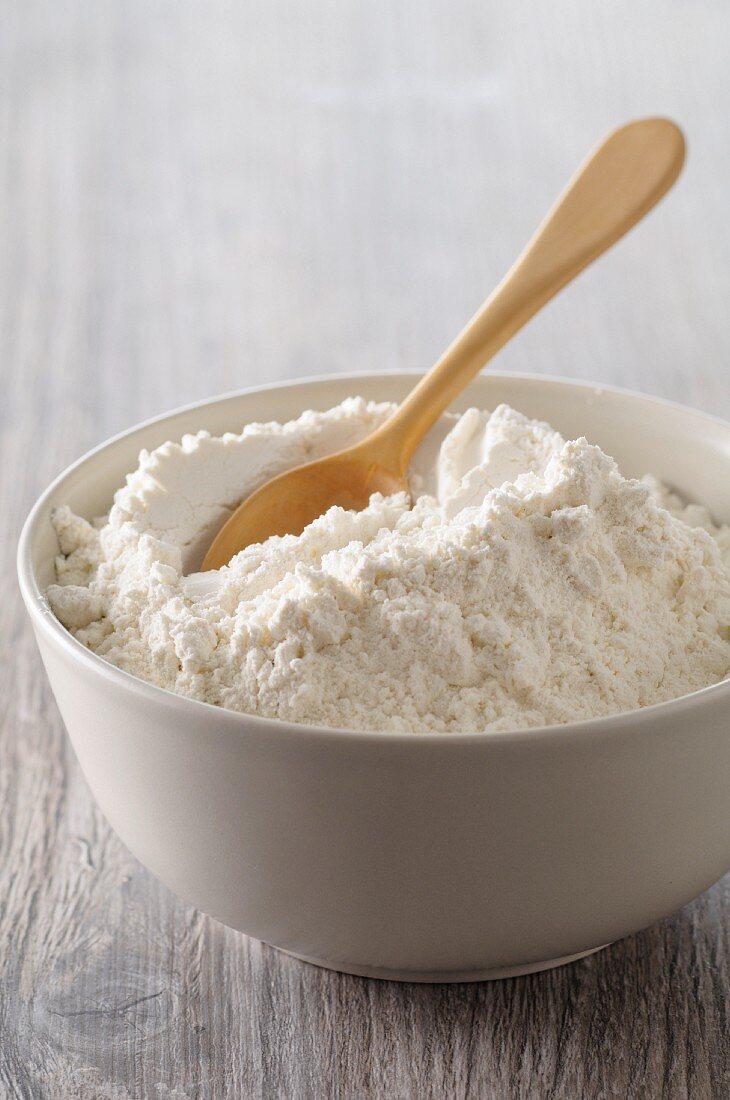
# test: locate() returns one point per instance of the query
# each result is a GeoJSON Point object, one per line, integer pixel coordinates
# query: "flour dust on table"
{"type": "Point", "coordinates": [526, 582]}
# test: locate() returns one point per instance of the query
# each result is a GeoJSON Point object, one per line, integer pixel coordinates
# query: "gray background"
{"type": "Point", "coordinates": [197, 196]}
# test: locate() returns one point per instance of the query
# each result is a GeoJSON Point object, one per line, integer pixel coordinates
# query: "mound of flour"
{"type": "Point", "coordinates": [529, 583]}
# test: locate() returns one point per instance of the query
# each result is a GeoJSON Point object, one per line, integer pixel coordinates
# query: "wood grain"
{"type": "Point", "coordinates": [195, 197]}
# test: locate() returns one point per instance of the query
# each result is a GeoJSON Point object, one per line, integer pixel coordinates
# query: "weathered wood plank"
{"type": "Point", "coordinates": [196, 197]}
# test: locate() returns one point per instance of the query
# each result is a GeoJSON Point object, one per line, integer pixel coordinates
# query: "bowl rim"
{"type": "Point", "coordinates": [44, 620]}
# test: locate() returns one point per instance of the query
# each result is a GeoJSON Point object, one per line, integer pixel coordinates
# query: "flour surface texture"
{"type": "Point", "coordinates": [527, 583]}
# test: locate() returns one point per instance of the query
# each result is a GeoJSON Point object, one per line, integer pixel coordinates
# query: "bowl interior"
{"type": "Point", "coordinates": [687, 449]}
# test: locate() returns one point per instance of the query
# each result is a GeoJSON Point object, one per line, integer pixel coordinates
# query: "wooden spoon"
{"type": "Point", "coordinates": [621, 180]}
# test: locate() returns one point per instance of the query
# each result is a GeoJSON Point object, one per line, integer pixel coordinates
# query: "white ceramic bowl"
{"type": "Point", "coordinates": [435, 857]}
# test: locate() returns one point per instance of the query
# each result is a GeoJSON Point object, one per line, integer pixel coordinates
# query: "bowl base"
{"type": "Point", "coordinates": [436, 976]}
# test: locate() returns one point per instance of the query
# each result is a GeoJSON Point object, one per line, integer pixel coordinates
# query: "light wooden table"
{"type": "Point", "coordinates": [200, 196]}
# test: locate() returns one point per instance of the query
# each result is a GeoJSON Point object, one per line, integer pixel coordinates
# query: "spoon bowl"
{"type": "Point", "coordinates": [288, 503]}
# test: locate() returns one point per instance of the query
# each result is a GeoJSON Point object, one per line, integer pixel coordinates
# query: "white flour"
{"type": "Point", "coordinates": [530, 584]}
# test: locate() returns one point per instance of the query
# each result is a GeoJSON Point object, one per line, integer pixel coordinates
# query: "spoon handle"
{"type": "Point", "coordinates": [619, 182]}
